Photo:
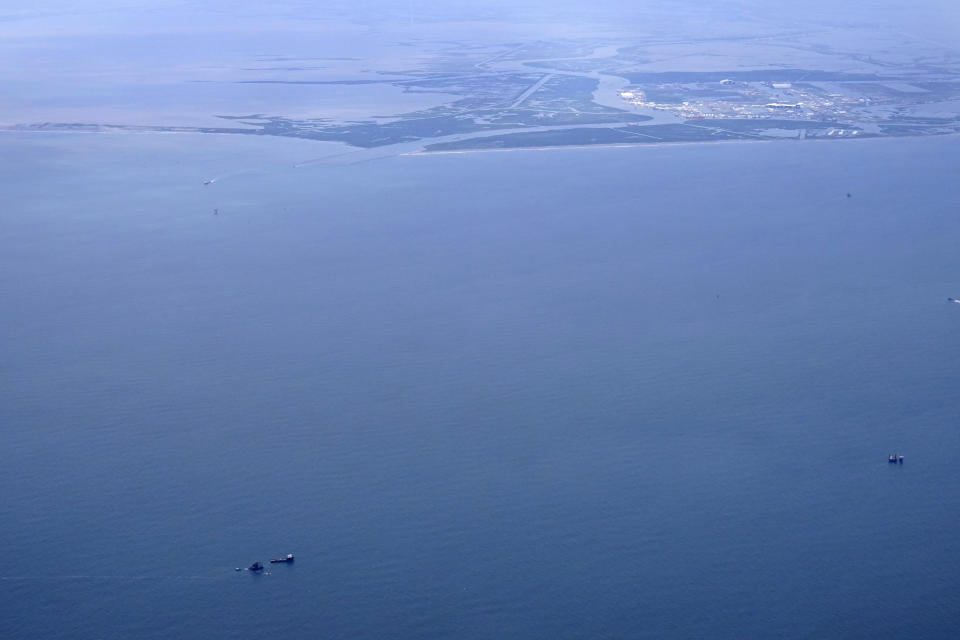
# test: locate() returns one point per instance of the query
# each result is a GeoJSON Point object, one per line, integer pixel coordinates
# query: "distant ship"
{"type": "Point", "coordinates": [256, 566]}
{"type": "Point", "coordinates": [895, 459]}
{"type": "Point", "coordinates": [287, 558]}
{"type": "Point", "coordinates": [953, 300]}
{"type": "Point", "coordinates": [209, 181]}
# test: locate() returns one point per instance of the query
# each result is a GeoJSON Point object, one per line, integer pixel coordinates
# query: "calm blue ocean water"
{"type": "Point", "coordinates": [604, 393]}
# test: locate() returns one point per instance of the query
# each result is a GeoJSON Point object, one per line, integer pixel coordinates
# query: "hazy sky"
{"type": "Point", "coordinates": [65, 16]}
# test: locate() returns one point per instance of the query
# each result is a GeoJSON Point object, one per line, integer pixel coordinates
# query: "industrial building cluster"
{"type": "Point", "coordinates": [740, 99]}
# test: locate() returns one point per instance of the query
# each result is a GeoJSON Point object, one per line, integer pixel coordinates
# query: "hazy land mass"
{"type": "Point", "coordinates": [480, 88]}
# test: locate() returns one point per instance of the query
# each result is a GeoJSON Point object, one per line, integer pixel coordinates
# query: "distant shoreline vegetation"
{"type": "Point", "coordinates": [632, 133]}
{"type": "Point", "coordinates": [513, 101]}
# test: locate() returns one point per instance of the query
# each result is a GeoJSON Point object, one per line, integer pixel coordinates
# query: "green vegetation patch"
{"type": "Point", "coordinates": [589, 136]}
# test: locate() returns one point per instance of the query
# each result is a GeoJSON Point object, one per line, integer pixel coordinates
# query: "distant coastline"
{"type": "Point", "coordinates": [423, 147]}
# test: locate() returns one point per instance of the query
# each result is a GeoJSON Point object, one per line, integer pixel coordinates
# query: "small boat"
{"type": "Point", "coordinates": [895, 458]}
{"type": "Point", "coordinates": [256, 566]}
{"type": "Point", "coordinates": [287, 558]}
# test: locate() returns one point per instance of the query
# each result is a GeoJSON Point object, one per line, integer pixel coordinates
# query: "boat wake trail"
{"type": "Point", "coordinates": [358, 156]}
{"type": "Point", "coordinates": [225, 176]}
{"type": "Point", "coordinates": [336, 158]}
